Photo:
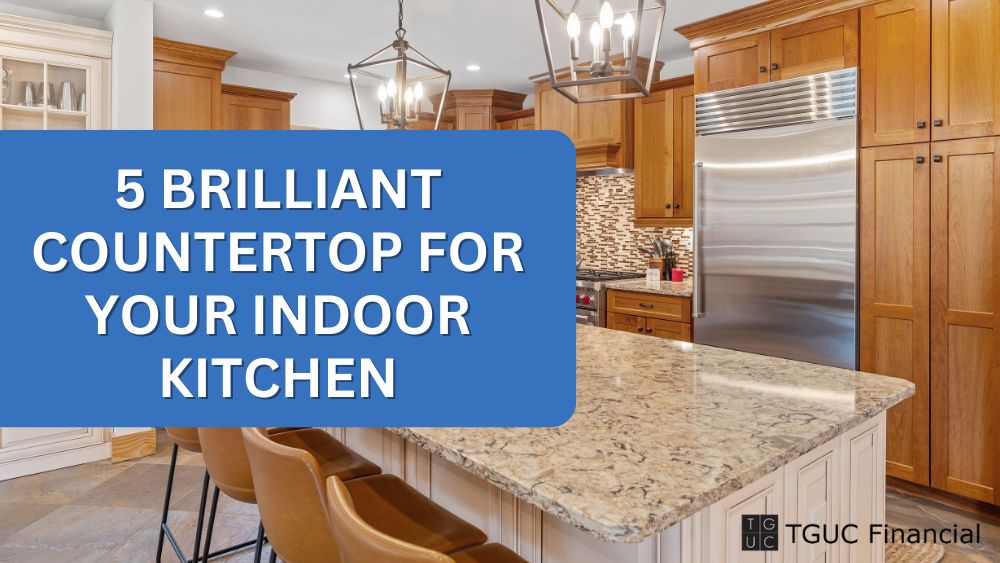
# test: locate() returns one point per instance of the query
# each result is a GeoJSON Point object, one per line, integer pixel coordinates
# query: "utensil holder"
{"type": "Point", "coordinates": [659, 264]}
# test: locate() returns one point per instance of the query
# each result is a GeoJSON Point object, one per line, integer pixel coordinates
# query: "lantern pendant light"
{"type": "Point", "coordinates": [406, 78]}
{"type": "Point", "coordinates": [618, 43]}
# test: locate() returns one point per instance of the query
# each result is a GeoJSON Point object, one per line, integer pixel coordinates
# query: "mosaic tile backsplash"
{"type": "Point", "coordinates": [606, 237]}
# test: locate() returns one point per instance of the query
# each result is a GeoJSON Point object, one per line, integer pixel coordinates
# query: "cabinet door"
{"type": "Point", "coordinates": [811, 489]}
{"type": "Point", "coordinates": [965, 357]}
{"type": "Point", "coordinates": [509, 125]}
{"type": "Point", "coordinates": [247, 112]}
{"type": "Point", "coordinates": [726, 520]}
{"type": "Point", "coordinates": [526, 123]}
{"type": "Point", "coordinates": [603, 122]}
{"type": "Point", "coordinates": [863, 495]}
{"type": "Point", "coordinates": [668, 329]}
{"type": "Point", "coordinates": [731, 64]}
{"type": "Point", "coordinates": [555, 112]}
{"type": "Point", "coordinates": [654, 152]}
{"type": "Point", "coordinates": [626, 323]}
{"type": "Point", "coordinates": [186, 97]}
{"type": "Point", "coordinates": [965, 39]}
{"type": "Point", "coordinates": [814, 46]}
{"type": "Point", "coordinates": [683, 152]}
{"type": "Point", "coordinates": [895, 72]}
{"type": "Point", "coordinates": [895, 293]}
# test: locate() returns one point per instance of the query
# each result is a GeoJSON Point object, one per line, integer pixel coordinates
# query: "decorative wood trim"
{"type": "Point", "coordinates": [597, 156]}
{"type": "Point", "coordinates": [189, 54]}
{"type": "Point", "coordinates": [672, 83]}
{"type": "Point", "coordinates": [511, 116]}
{"type": "Point", "coordinates": [664, 222]}
{"type": "Point", "coordinates": [762, 17]}
{"type": "Point", "coordinates": [487, 97]}
{"type": "Point", "coordinates": [52, 36]}
{"type": "Point", "coordinates": [131, 446]}
{"type": "Point", "coordinates": [235, 90]}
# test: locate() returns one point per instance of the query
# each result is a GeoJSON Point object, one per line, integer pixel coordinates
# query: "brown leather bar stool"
{"type": "Point", "coordinates": [360, 542]}
{"type": "Point", "coordinates": [291, 493]}
{"type": "Point", "coordinates": [227, 463]}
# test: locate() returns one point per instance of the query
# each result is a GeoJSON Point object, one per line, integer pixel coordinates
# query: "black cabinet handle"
{"type": "Point", "coordinates": [920, 160]}
{"type": "Point", "coordinates": [677, 206]}
{"type": "Point", "coordinates": [938, 123]}
{"type": "Point", "coordinates": [774, 66]}
{"type": "Point", "coordinates": [921, 124]}
{"type": "Point", "coordinates": [938, 158]}
{"type": "Point", "coordinates": [639, 329]}
{"type": "Point", "coordinates": [645, 305]}
{"type": "Point", "coordinates": [763, 69]}
{"type": "Point", "coordinates": [649, 331]}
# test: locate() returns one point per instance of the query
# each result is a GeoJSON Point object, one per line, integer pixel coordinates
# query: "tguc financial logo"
{"type": "Point", "coordinates": [760, 532]}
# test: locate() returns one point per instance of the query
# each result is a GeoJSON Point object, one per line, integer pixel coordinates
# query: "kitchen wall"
{"type": "Point", "coordinates": [606, 237]}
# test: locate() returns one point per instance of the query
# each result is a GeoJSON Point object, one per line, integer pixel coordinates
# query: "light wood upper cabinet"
{"type": "Point", "coordinates": [966, 69]}
{"type": "Point", "coordinates": [814, 46]}
{"type": "Point", "coordinates": [255, 108]}
{"type": "Point", "coordinates": [553, 111]}
{"type": "Point", "coordinates": [895, 294]}
{"type": "Point", "coordinates": [187, 85]}
{"type": "Point", "coordinates": [664, 154]}
{"type": "Point", "coordinates": [732, 64]}
{"type": "Point", "coordinates": [965, 294]}
{"type": "Point", "coordinates": [477, 110]}
{"type": "Point", "coordinates": [896, 72]}
{"type": "Point", "coordinates": [523, 120]}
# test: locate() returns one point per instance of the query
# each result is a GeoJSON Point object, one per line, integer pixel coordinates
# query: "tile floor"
{"type": "Point", "coordinates": [108, 513]}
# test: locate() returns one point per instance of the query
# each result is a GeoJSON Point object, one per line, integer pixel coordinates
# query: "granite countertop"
{"type": "Point", "coordinates": [663, 429]}
{"type": "Point", "coordinates": [674, 289]}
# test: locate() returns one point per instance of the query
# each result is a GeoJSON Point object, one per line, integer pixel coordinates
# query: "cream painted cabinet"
{"type": "Point", "coordinates": [24, 451]}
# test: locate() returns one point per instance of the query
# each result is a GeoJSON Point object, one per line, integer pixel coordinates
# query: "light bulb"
{"type": "Point", "coordinates": [408, 96]}
{"type": "Point", "coordinates": [607, 16]}
{"type": "Point", "coordinates": [418, 91]}
{"type": "Point", "coordinates": [573, 26]}
{"type": "Point", "coordinates": [595, 34]}
{"type": "Point", "coordinates": [381, 93]}
{"type": "Point", "coordinates": [628, 25]}
{"type": "Point", "coordinates": [391, 87]}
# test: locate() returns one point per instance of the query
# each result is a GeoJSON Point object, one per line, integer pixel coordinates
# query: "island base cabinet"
{"type": "Point", "coordinates": [839, 483]}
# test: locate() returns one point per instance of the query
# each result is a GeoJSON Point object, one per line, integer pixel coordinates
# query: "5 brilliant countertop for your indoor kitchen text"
{"type": "Point", "coordinates": [674, 289]}
{"type": "Point", "coordinates": [664, 429]}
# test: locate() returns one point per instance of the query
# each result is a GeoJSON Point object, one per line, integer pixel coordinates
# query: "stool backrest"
{"type": "Point", "coordinates": [291, 497]}
{"type": "Point", "coordinates": [186, 438]}
{"type": "Point", "coordinates": [361, 543]}
{"type": "Point", "coordinates": [227, 462]}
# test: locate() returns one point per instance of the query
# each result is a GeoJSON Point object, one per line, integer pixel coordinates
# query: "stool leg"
{"type": "Point", "coordinates": [201, 518]}
{"type": "Point", "coordinates": [274, 556]}
{"type": "Point", "coordinates": [166, 502]}
{"type": "Point", "coordinates": [211, 523]}
{"type": "Point", "coordinates": [260, 544]}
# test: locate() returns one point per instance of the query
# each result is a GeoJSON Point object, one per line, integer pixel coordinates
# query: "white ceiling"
{"type": "Point", "coordinates": [318, 38]}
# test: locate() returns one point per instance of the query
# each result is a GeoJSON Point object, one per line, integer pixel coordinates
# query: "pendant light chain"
{"type": "Point", "coordinates": [400, 31]}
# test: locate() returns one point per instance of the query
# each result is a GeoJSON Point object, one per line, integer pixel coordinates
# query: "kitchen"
{"type": "Point", "coordinates": [753, 192]}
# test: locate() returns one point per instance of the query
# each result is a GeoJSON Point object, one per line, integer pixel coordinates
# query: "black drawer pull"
{"type": "Point", "coordinates": [921, 124]}
{"type": "Point", "coordinates": [920, 160]}
{"type": "Point", "coordinates": [938, 158]}
{"type": "Point", "coordinates": [645, 305]}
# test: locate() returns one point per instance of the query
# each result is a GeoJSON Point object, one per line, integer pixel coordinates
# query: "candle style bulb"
{"type": "Point", "coordinates": [418, 91]}
{"type": "Point", "coordinates": [382, 93]}
{"type": "Point", "coordinates": [573, 26]}
{"type": "Point", "coordinates": [408, 96]}
{"type": "Point", "coordinates": [391, 87]}
{"type": "Point", "coordinates": [628, 26]}
{"type": "Point", "coordinates": [607, 17]}
{"type": "Point", "coordinates": [595, 34]}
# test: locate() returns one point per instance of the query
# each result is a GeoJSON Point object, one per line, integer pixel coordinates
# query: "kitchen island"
{"type": "Point", "coordinates": [670, 444]}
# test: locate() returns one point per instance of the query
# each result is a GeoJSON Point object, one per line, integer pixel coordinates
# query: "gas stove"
{"type": "Point", "coordinates": [590, 308]}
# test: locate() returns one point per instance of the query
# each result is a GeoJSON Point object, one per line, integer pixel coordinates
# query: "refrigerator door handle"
{"type": "Point", "coordinates": [698, 295]}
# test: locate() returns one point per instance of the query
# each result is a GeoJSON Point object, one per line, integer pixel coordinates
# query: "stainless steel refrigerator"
{"type": "Point", "coordinates": [775, 228]}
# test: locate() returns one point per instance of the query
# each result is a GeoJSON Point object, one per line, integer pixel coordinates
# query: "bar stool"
{"type": "Point", "coordinates": [360, 542]}
{"type": "Point", "coordinates": [227, 463]}
{"type": "Point", "coordinates": [291, 491]}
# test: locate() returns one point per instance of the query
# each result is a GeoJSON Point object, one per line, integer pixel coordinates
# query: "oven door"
{"type": "Point", "coordinates": [587, 317]}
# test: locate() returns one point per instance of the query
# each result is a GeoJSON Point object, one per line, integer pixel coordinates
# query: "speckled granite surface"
{"type": "Point", "coordinates": [663, 429]}
{"type": "Point", "coordinates": [675, 289]}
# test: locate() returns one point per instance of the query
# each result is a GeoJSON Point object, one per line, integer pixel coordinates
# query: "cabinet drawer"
{"type": "Point", "coordinates": [671, 330]}
{"type": "Point", "coordinates": [650, 305]}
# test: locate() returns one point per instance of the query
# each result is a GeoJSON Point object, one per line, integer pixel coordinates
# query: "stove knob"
{"type": "Point", "coordinates": [586, 300]}
{"type": "Point", "coordinates": [578, 299]}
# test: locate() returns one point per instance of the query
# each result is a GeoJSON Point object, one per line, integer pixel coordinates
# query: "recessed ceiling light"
{"type": "Point", "coordinates": [214, 13]}
{"type": "Point", "coordinates": [473, 67]}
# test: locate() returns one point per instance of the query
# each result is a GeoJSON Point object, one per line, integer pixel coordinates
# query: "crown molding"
{"type": "Point", "coordinates": [257, 92]}
{"type": "Point", "coordinates": [670, 83]}
{"type": "Point", "coordinates": [527, 112]}
{"type": "Point", "coordinates": [171, 51]}
{"type": "Point", "coordinates": [57, 37]}
{"type": "Point", "coordinates": [762, 17]}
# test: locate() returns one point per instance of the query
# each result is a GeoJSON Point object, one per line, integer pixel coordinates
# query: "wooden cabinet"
{"type": "Point", "coordinates": [811, 498]}
{"type": "Point", "coordinates": [523, 120]}
{"type": "Point", "coordinates": [895, 78]}
{"type": "Point", "coordinates": [651, 314]}
{"type": "Point", "coordinates": [255, 108]}
{"type": "Point", "coordinates": [187, 85]}
{"type": "Point", "coordinates": [477, 110]}
{"type": "Point", "coordinates": [814, 46]}
{"type": "Point", "coordinates": [862, 453]}
{"type": "Point", "coordinates": [553, 111]}
{"type": "Point", "coordinates": [732, 64]}
{"type": "Point", "coordinates": [664, 155]}
{"type": "Point", "coordinates": [895, 294]}
{"type": "Point", "coordinates": [965, 294]}
{"type": "Point", "coordinates": [800, 49]}
{"type": "Point", "coordinates": [965, 40]}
